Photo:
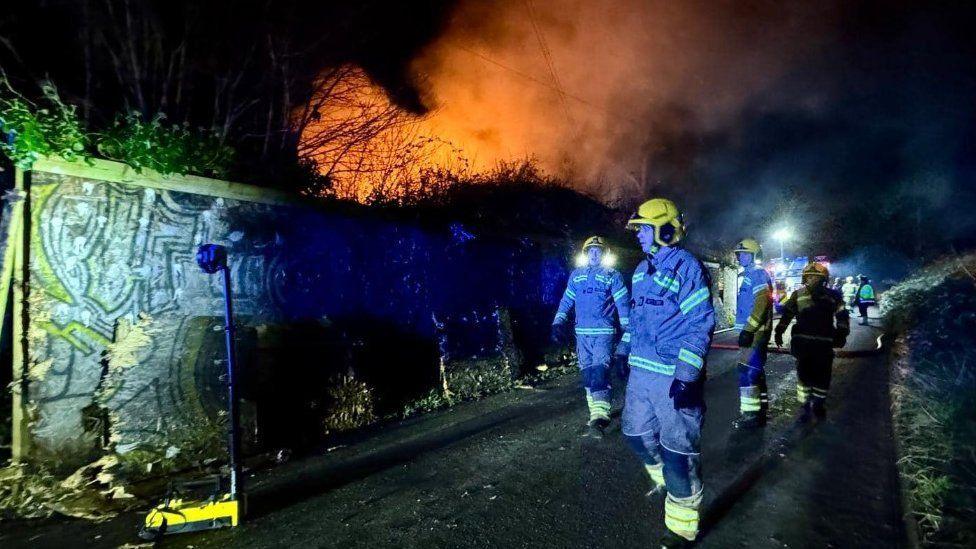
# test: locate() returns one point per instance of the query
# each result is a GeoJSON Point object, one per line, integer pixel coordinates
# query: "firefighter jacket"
{"type": "Point", "coordinates": [820, 315]}
{"type": "Point", "coordinates": [672, 316]}
{"type": "Point", "coordinates": [849, 289]}
{"type": "Point", "coordinates": [600, 299]}
{"type": "Point", "coordinates": [754, 302]}
{"type": "Point", "coordinates": [865, 294]}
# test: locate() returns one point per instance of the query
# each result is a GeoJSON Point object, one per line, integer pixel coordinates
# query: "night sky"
{"type": "Point", "coordinates": [851, 121]}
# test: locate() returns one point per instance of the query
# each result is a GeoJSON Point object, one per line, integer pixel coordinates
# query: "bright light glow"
{"type": "Point", "coordinates": [783, 234]}
{"type": "Point", "coordinates": [608, 260]}
{"type": "Point", "coordinates": [581, 260]}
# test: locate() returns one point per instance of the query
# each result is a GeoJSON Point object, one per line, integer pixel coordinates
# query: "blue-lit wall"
{"type": "Point", "coordinates": [123, 321]}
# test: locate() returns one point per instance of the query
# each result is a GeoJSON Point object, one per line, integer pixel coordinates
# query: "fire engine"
{"type": "Point", "coordinates": [785, 273]}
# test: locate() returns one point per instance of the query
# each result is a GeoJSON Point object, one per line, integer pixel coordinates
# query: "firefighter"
{"type": "Point", "coordinates": [672, 319]}
{"type": "Point", "coordinates": [849, 291]}
{"type": "Point", "coordinates": [754, 320]}
{"type": "Point", "coordinates": [864, 298]}
{"type": "Point", "coordinates": [601, 300]}
{"type": "Point", "coordinates": [822, 324]}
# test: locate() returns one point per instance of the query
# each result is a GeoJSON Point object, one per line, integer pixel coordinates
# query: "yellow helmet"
{"type": "Point", "coordinates": [594, 241]}
{"type": "Point", "coordinates": [749, 245]}
{"type": "Point", "coordinates": [663, 215]}
{"type": "Point", "coordinates": [815, 269]}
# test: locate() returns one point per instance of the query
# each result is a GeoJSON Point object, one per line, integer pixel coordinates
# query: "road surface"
{"type": "Point", "coordinates": [512, 471]}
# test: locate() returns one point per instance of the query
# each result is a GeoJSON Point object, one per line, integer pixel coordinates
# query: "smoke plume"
{"type": "Point", "coordinates": [614, 96]}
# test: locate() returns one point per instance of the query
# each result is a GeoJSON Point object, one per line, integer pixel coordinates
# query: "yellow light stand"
{"type": "Point", "coordinates": [178, 516]}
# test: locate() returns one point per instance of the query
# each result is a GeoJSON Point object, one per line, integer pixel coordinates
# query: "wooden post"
{"type": "Point", "coordinates": [18, 281]}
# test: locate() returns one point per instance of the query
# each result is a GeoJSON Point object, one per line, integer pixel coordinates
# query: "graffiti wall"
{"type": "Point", "coordinates": [124, 348]}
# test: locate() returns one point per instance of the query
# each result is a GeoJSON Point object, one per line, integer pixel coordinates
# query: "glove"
{"type": "Point", "coordinates": [745, 338]}
{"type": "Point", "coordinates": [623, 349]}
{"type": "Point", "coordinates": [840, 339]}
{"type": "Point", "coordinates": [778, 338]}
{"type": "Point", "coordinates": [560, 333]}
{"type": "Point", "coordinates": [621, 366]}
{"type": "Point", "coordinates": [687, 394]}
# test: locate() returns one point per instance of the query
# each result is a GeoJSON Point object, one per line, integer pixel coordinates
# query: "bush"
{"type": "Point", "coordinates": [164, 148]}
{"type": "Point", "coordinates": [31, 131]}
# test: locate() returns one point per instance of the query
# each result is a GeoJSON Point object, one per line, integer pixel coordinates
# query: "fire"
{"type": "Point", "coordinates": [610, 97]}
{"type": "Point", "coordinates": [368, 146]}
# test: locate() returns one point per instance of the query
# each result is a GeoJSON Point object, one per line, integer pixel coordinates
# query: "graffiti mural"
{"type": "Point", "coordinates": [108, 258]}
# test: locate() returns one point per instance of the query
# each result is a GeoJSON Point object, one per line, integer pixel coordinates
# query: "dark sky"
{"type": "Point", "coordinates": [863, 136]}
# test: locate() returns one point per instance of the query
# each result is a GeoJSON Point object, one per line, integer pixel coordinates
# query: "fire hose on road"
{"type": "Point", "coordinates": [841, 353]}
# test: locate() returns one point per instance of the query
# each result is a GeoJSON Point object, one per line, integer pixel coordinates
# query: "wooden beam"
{"type": "Point", "coordinates": [116, 172]}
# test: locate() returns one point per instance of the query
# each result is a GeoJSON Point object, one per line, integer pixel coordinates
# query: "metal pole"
{"type": "Point", "coordinates": [232, 408]}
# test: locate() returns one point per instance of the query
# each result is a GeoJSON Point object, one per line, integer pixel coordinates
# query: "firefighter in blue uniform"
{"type": "Point", "coordinates": [754, 320]}
{"type": "Point", "coordinates": [671, 324]}
{"type": "Point", "coordinates": [600, 298]}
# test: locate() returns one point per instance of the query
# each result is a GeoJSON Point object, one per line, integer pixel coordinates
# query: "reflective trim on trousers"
{"type": "Point", "coordinates": [598, 407]}
{"type": "Point", "coordinates": [751, 399]}
{"type": "Point", "coordinates": [681, 515]}
{"type": "Point", "coordinates": [805, 391]}
{"type": "Point", "coordinates": [656, 472]}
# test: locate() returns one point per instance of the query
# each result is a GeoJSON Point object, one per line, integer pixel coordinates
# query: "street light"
{"type": "Point", "coordinates": [782, 235]}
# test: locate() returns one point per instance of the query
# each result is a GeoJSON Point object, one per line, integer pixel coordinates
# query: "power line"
{"type": "Point", "coordinates": [547, 56]}
{"type": "Point", "coordinates": [533, 79]}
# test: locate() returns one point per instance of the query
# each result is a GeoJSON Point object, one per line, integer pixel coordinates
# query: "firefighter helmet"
{"type": "Point", "coordinates": [594, 241]}
{"type": "Point", "coordinates": [749, 245]}
{"type": "Point", "coordinates": [663, 215]}
{"type": "Point", "coordinates": [816, 269]}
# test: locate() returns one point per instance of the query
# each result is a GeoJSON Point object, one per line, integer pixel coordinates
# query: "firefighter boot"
{"type": "Point", "coordinates": [819, 408]}
{"type": "Point", "coordinates": [596, 427]}
{"type": "Point", "coordinates": [749, 420]}
{"type": "Point", "coordinates": [670, 539]}
{"type": "Point", "coordinates": [806, 413]}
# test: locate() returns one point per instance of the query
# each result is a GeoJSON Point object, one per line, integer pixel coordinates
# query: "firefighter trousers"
{"type": "Point", "coordinates": [814, 362]}
{"type": "Point", "coordinates": [594, 353]}
{"type": "Point", "coordinates": [752, 375]}
{"type": "Point", "coordinates": [667, 441]}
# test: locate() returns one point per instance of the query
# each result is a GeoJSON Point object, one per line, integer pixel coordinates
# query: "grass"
{"type": "Point", "coordinates": [934, 397]}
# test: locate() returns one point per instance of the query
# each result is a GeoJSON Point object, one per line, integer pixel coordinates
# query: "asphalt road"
{"type": "Point", "coordinates": [512, 471]}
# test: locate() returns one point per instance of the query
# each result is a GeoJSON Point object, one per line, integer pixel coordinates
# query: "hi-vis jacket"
{"type": "Point", "coordinates": [865, 294]}
{"type": "Point", "coordinates": [753, 304]}
{"type": "Point", "coordinates": [597, 293]}
{"type": "Point", "coordinates": [672, 317]}
{"type": "Point", "coordinates": [820, 315]}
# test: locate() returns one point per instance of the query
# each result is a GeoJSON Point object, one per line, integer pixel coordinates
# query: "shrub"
{"type": "Point", "coordinates": [164, 148]}
{"type": "Point", "coordinates": [31, 131]}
